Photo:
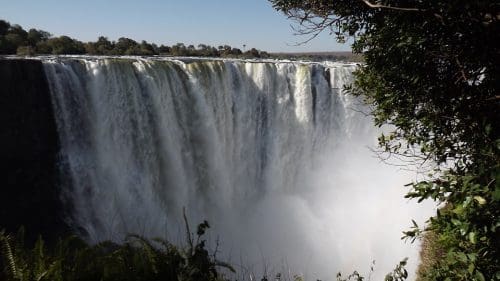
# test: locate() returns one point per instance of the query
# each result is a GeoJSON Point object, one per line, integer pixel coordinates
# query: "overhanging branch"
{"type": "Point", "coordinates": [371, 5]}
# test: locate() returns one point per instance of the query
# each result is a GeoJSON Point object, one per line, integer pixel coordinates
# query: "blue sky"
{"type": "Point", "coordinates": [214, 22]}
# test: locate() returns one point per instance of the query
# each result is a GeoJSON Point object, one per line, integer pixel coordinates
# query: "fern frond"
{"type": "Point", "coordinates": [8, 255]}
{"type": "Point", "coordinates": [21, 234]}
{"type": "Point", "coordinates": [150, 251]}
{"type": "Point", "coordinates": [225, 265]}
{"type": "Point", "coordinates": [53, 273]}
{"type": "Point", "coordinates": [162, 242]}
{"type": "Point", "coordinates": [39, 257]}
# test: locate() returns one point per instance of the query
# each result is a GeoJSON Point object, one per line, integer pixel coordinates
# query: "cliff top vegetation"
{"type": "Point", "coordinates": [16, 40]}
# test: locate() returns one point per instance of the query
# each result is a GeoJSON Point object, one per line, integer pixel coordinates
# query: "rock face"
{"type": "Point", "coordinates": [28, 151]}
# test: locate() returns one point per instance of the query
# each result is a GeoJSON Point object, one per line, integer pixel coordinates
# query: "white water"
{"type": "Point", "coordinates": [272, 154]}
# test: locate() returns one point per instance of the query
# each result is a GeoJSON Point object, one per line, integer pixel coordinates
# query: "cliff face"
{"type": "Point", "coordinates": [28, 151]}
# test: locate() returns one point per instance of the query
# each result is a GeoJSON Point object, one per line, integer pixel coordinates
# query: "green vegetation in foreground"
{"type": "Point", "coordinates": [431, 70]}
{"type": "Point", "coordinates": [137, 259]}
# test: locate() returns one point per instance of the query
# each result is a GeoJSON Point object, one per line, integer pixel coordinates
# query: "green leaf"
{"type": "Point", "coordinates": [496, 193]}
{"type": "Point", "coordinates": [461, 257]}
{"type": "Point", "coordinates": [472, 237]}
{"type": "Point", "coordinates": [487, 129]}
{"type": "Point", "coordinates": [480, 200]}
{"type": "Point", "coordinates": [479, 276]}
{"type": "Point", "coordinates": [459, 210]}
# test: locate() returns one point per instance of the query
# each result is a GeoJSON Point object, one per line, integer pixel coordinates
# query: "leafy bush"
{"type": "Point", "coordinates": [431, 72]}
{"type": "Point", "coordinates": [25, 51]}
{"type": "Point", "coordinates": [137, 259]}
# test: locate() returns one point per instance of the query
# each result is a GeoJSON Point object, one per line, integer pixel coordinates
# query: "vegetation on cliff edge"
{"type": "Point", "coordinates": [431, 70]}
{"type": "Point", "coordinates": [136, 259]}
{"type": "Point", "coordinates": [15, 40]}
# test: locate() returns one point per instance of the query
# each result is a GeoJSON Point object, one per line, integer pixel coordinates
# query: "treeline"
{"type": "Point", "coordinates": [319, 57]}
{"type": "Point", "coordinates": [15, 40]}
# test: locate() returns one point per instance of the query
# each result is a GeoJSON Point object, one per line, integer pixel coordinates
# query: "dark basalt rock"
{"type": "Point", "coordinates": [29, 145]}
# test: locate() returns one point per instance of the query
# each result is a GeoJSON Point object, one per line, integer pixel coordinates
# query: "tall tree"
{"type": "Point", "coordinates": [65, 45]}
{"type": "Point", "coordinates": [431, 69]}
{"type": "Point", "coordinates": [35, 36]}
{"type": "Point", "coordinates": [4, 27]}
{"type": "Point", "coordinates": [125, 46]}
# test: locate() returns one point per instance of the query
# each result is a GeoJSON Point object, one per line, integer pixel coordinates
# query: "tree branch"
{"type": "Point", "coordinates": [494, 98]}
{"type": "Point", "coordinates": [188, 232]}
{"type": "Point", "coordinates": [371, 5]}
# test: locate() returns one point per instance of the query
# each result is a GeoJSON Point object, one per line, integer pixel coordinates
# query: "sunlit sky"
{"type": "Point", "coordinates": [253, 23]}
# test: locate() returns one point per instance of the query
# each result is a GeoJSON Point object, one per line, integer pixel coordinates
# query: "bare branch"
{"type": "Point", "coordinates": [493, 98]}
{"type": "Point", "coordinates": [371, 5]}
{"type": "Point", "coordinates": [188, 231]}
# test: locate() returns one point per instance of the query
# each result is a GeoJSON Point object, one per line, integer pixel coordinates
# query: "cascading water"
{"type": "Point", "coordinates": [273, 154]}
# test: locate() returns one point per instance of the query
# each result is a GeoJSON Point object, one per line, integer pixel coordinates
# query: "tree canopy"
{"type": "Point", "coordinates": [15, 40]}
{"type": "Point", "coordinates": [431, 70]}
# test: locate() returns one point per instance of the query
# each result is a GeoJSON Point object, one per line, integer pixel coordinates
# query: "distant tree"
{"type": "Point", "coordinates": [102, 46]}
{"type": "Point", "coordinates": [90, 48]}
{"type": "Point", "coordinates": [11, 37]}
{"type": "Point", "coordinates": [191, 50]}
{"type": "Point", "coordinates": [35, 36]}
{"type": "Point", "coordinates": [225, 50]}
{"type": "Point", "coordinates": [254, 53]}
{"type": "Point", "coordinates": [25, 51]}
{"type": "Point", "coordinates": [236, 52]}
{"type": "Point", "coordinates": [3, 46]}
{"type": "Point", "coordinates": [156, 49]}
{"type": "Point", "coordinates": [214, 52]}
{"type": "Point", "coordinates": [43, 47]}
{"type": "Point", "coordinates": [65, 45]}
{"type": "Point", "coordinates": [126, 46]}
{"type": "Point", "coordinates": [164, 49]}
{"type": "Point", "coordinates": [17, 29]}
{"type": "Point", "coordinates": [146, 49]}
{"type": "Point", "coordinates": [4, 27]}
{"type": "Point", "coordinates": [264, 55]}
{"type": "Point", "coordinates": [179, 49]}
{"type": "Point", "coordinates": [13, 41]}
{"type": "Point", "coordinates": [207, 51]}
{"type": "Point", "coordinates": [203, 50]}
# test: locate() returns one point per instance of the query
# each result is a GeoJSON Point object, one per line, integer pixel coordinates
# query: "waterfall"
{"type": "Point", "coordinates": [273, 154]}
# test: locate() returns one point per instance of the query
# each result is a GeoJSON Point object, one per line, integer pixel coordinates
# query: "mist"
{"type": "Point", "coordinates": [273, 154]}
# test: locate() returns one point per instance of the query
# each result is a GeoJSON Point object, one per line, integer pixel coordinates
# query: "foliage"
{"type": "Point", "coordinates": [431, 251]}
{"type": "Point", "coordinates": [14, 39]}
{"type": "Point", "coordinates": [399, 273]}
{"type": "Point", "coordinates": [137, 259]}
{"type": "Point", "coordinates": [65, 45]}
{"type": "Point", "coordinates": [25, 51]}
{"type": "Point", "coordinates": [431, 71]}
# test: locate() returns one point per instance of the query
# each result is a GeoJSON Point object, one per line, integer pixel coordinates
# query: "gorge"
{"type": "Point", "coordinates": [274, 154]}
